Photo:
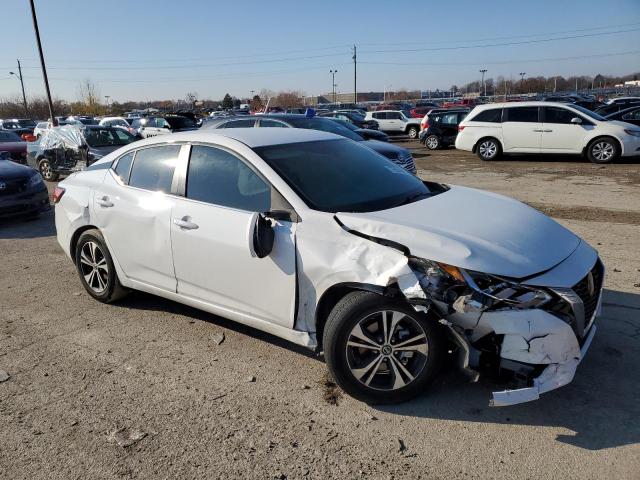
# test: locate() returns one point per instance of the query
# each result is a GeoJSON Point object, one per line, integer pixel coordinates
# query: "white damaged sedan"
{"type": "Point", "coordinates": [324, 242]}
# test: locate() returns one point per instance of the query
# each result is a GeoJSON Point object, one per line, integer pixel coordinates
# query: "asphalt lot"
{"type": "Point", "coordinates": [254, 406]}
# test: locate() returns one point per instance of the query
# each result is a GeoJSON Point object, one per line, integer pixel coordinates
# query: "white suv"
{"type": "Point", "coordinates": [545, 127]}
{"type": "Point", "coordinates": [395, 121]}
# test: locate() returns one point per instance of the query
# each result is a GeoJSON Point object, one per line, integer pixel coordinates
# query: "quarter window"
{"type": "Point", "coordinates": [153, 168]}
{"type": "Point", "coordinates": [216, 176]}
{"type": "Point", "coordinates": [522, 114]}
{"type": "Point", "coordinates": [123, 167]}
{"type": "Point", "coordinates": [558, 115]}
{"type": "Point", "coordinates": [493, 115]}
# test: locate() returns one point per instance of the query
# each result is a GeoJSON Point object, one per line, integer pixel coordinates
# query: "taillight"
{"type": "Point", "coordinates": [57, 194]}
{"type": "Point", "coordinates": [460, 128]}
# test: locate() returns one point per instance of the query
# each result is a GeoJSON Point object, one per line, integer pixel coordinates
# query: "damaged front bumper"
{"type": "Point", "coordinates": [556, 375]}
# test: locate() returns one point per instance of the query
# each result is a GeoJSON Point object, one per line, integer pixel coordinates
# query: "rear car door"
{"type": "Point", "coordinates": [210, 239]}
{"type": "Point", "coordinates": [132, 208]}
{"type": "Point", "coordinates": [449, 127]}
{"type": "Point", "coordinates": [521, 130]}
{"type": "Point", "coordinates": [383, 122]}
{"type": "Point", "coordinates": [559, 134]}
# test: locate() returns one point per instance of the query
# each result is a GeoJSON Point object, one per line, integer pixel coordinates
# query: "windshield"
{"type": "Point", "coordinates": [106, 137]}
{"type": "Point", "coordinates": [325, 125]}
{"type": "Point", "coordinates": [589, 113]}
{"type": "Point", "coordinates": [342, 176]}
{"type": "Point", "coordinates": [181, 122]}
{"type": "Point", "coordinates": [10, 137]}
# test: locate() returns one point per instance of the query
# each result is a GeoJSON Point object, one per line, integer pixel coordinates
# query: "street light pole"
{"type": "Point", "coordinates": [107, 97]}
{"type": "Point", "coordinates": [24, 97]}
{"type": "Point", "coordinates": [44, 68]}
{"type": "Point", "coordinates": [333, 83]}
{"type": "Point", "coordinates": [484, 85]}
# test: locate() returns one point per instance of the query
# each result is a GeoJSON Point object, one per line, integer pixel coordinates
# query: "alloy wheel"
{"type": "Point", "coordinates": [432, 142]}
{"type": "Point", "coordinates": [387, 350]}
{"type": "Point", "coordinates": [45, 170]}
{"type": "Point", "coordinates": [603, 151]}
{"type": "Point", "coordinates": [94, 267]}
{"type": "Point", "coordinates": [488, 149]}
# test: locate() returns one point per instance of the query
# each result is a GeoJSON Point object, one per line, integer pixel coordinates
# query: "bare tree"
{"type": "Point", "coordinates": [89, 94]}
{"type": "Point", "coordinates": [191, 98]}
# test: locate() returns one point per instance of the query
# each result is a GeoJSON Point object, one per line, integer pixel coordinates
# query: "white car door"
{"type": "Point", "coordinates": [395, 122]}
{"type": "Point", "coordinates": [559, 134]}
{"type": "Point", "coordinates": [521, 130]}
{"type": "Point", "coordinates": [210, 240]}
{"type": "Point", "coordinates": [133, 211]}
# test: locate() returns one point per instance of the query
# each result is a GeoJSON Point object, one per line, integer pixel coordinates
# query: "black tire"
{"type": "Point", "coordinates": [432, 142]}
{"type": "Point", "coordinates": [603, 150]}
{"type": "Point", "coordinates": [112, 290]}
{"type": "Point", "coordinates": [413, 132]}
{"type": "Point", "coordinates": [44, 167]}
{"type": "Point", "coordinates": [349, 314]}
{"type": "Point", "coordinates": [488, 149]}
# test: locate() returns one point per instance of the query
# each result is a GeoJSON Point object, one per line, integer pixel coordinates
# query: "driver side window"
{"type": "Point", "coordinates": [219, 177]}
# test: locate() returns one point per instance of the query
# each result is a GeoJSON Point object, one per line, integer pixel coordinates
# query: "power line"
{"type": "Point", "coordinates": [506, 62]}
{"type": "Point", "coordinates": [487, 45]}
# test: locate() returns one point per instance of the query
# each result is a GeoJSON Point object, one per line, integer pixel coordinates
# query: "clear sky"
{"type": "Point", "coordinates": [162, 49]}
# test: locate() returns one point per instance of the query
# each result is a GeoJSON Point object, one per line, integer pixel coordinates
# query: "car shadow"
{"type": "Point", "coordinates": [23, 228]}
{"type": "Point", "coordinates": [601, 405]}
{"type": "Point", "coordinates": [144, 301]}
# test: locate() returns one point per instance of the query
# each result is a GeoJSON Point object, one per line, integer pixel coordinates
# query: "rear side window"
{"type": "Point", "coordinates": [493, 115]}
{"type": "Point", "coordinates": [123, 167]}
{"type": "Point", "coordinates": [219, 177]}
{"type": "Point", "coordinates": [635, 115]}
{"type": "Point", "coordinates": [239, 123]}
{"type": "Point", "coordinates": [558, 115]}
{"type": "Point", "coordinates": [272, 123]}
{"type": "Point", "coordinates": [522, 114]}
{"type": "Point", "coordinates": [450, 119]}
{"type": "Point", "coordinates": [153, 168]}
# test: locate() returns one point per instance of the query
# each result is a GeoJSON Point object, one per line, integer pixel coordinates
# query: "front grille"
{"type": "Point", "coordinates": [12, 187]}
{"type": "Point", "coordinates": [589, 290]}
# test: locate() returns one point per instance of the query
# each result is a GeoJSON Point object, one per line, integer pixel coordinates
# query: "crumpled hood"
{"type": "Point", "coordinates": [472, 229]}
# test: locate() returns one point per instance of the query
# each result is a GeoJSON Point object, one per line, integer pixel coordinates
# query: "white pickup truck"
{"type": "Point", "coordinates": [395, 121]}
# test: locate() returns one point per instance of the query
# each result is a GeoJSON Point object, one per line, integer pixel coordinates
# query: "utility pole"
{"type": "Point", "coordinates": [44, 68]}
{"type": "Point", "coordinates": [355, 75]}
{"type": "Point", "coordinates": [333, 83]}
{"type": "Point", "coordinates": [522, 74]}
{"type": "Point", "coordinates": [107, 97]}
{"type": "Point", "coordinates": [24, 97]}
{"type": "Point", "coordinates": [484, 85]}
{"type": "Point", "coordinates": [555, 84]}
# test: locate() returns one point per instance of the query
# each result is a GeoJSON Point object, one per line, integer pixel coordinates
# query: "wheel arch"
{"type": "Point", "coordinates": [73, 243]}
{"type": "Point", "coordinates": [332, 296]}
{"type": "Point", "coordinates": [605, 135]}
{"type": "Point", "coordinates": [475, 145]}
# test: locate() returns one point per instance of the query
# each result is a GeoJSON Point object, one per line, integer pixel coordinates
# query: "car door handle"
{"type": "Point", "coordinates": [547, 130]}
{"type": "Point", "coordinates": [538, 130]}
{"type": "Point", "coordinates": [185, 223]}
{"type": "Point", "coordinates": [104, 202]}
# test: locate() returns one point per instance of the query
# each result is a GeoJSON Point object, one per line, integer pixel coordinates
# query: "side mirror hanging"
{"type": "Point", "coordinates": [262, 236]}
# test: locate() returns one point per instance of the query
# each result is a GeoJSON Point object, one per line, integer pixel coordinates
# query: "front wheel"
{"type": "Point", "coordinates": [46, 171]}
{"type": "Point", "coordinates": [379, 350]}
{"type": "Point", "coordinates": [412, 132]}
{"type": "Point", "coordinates": [489, 149]}
{"type": "Point", "coordinates": [432, 142]}
{"type": "Point", "coordinates": [603, 150]}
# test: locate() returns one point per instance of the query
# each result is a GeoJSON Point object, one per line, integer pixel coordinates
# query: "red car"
{"type": "Point", "coordinates": [465, 102]}
{"type": "Point", "coordinates": [419, 112]}
{"type": "Point", "coordinates": [15, 146]}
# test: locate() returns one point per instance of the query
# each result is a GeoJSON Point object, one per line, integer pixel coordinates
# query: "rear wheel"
{"type": "Point", "coordinates": [46, 171]}
{"type": "Point", "coordinates": [379, 350]}
{"type": "Point", "coordinates": [95, 268]}
{"type": "Point", "coordinates": [603, 150]}
{"type": "Point", "coordinates": [488, 149]}
{"type": "Point", "coordinates": [432, 142]}
{"type": "Point", "coordinates": [412, 132]}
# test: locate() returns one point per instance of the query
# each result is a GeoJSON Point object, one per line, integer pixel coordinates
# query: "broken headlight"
{"type": "Point", "coordinates": [490, 291]}
{"type": "Point", "coordinates": [473, 291]}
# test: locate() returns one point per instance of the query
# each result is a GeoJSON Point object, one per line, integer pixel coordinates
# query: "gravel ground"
{"type": "Point", "coordinates": [149, 388]}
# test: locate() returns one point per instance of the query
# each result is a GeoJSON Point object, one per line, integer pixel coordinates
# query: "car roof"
{"type": "Point", "coordinates": [252, 137]}
{"type": "Point", "coordinates": [533, 103]}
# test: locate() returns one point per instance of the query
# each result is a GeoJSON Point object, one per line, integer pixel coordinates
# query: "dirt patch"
{"type": "Point", "coordinates": [330, 391]}
{"type": "Point", "coordinates": [592, 214]}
